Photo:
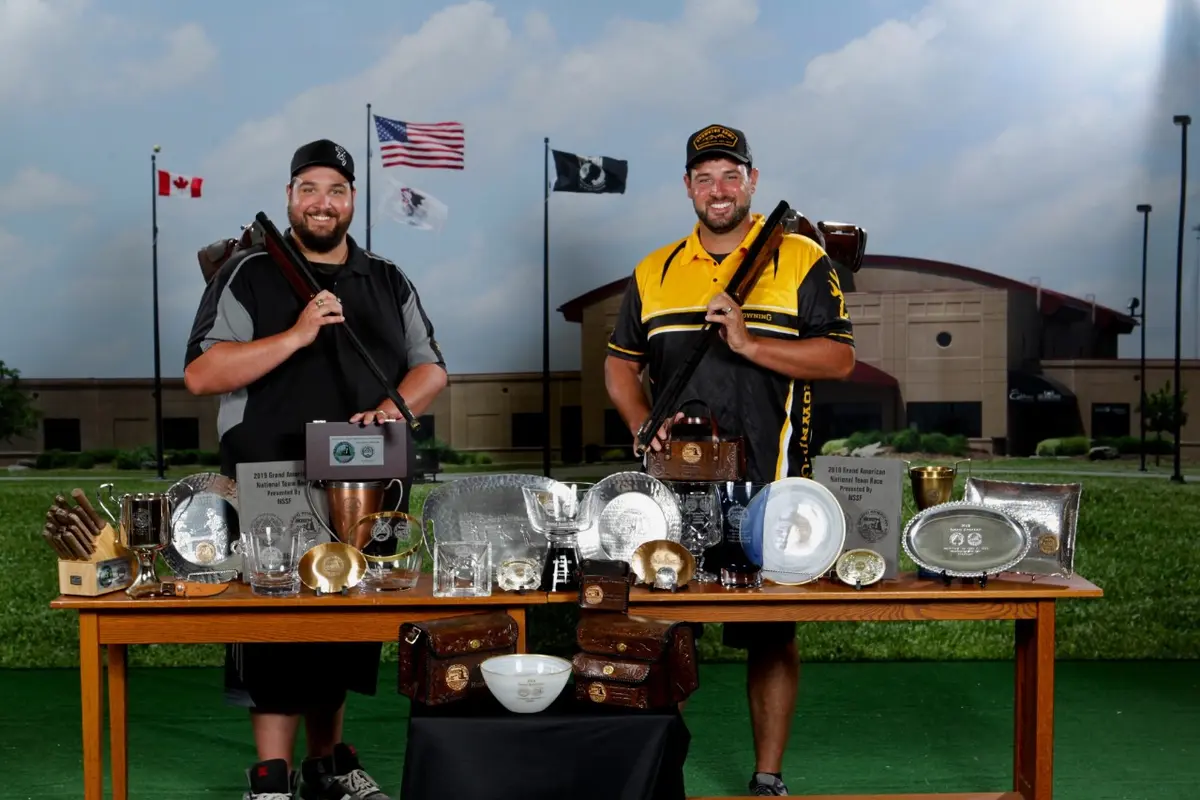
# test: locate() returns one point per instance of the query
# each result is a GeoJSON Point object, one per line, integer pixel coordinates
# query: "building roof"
{"type": "Point", "coordinates": [1051, 301]}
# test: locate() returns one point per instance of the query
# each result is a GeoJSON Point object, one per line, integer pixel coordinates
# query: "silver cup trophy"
{"type": "Point", "coordinates": [143, 523]}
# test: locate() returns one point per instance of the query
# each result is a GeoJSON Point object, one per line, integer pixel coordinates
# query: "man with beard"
{"type": "Point", "coordinates": [792, 329]}
{"type": "Point", "coordinates": [277, 364]}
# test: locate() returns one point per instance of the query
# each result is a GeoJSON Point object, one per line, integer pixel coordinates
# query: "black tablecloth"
{"type": "Point", "coordinates": [478, 750]}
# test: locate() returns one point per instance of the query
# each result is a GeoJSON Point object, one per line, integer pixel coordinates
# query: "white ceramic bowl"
{"type": "Point", "coordinates": [526, 683]}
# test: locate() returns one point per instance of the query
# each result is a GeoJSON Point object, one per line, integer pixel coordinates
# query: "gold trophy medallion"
{"type": "Point", "coordinates": [457, 677]}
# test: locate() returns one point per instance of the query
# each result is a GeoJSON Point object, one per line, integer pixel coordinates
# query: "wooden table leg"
{"type": "Point", "coordinates": [117, 721]}
{"type": "Point", "coordinates": [1033, 750]}
{"type": "Point", "coordinates": [518, 614]}
{"type": "Point", "coordinates": [92, 700]}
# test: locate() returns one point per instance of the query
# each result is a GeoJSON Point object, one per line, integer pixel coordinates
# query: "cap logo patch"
{"type": "Point", "coordinates": [715, 136]}
{"type": "Point", "coordinates": [340, 153]}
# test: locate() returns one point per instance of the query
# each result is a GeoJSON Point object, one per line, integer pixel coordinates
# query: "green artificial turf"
{"type": "Point", "coordinates": [1123, 731]}
{"type": "Point", "coordinates": [1137, 540]}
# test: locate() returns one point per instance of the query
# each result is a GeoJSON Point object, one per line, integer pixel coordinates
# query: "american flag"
{"type": "Point", "coordinates": [420, 144]}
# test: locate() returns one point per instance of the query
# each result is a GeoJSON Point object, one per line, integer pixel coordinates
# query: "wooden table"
{"type": "Point", "coordinates": [1028, 601]}
{"type": "Point", "coordinates": [115, 620]}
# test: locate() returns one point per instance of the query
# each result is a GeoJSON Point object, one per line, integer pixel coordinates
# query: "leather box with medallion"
{"type": "Point", "coordinates": [439, 659]}
{"type": "Point", "coordinates": [634, 662]}
{"type": "Point", "coordinates": [699, 456]}
{"type": "Point", "coordinates": [604, 585]}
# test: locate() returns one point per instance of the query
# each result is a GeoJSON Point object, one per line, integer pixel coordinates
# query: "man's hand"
{"type": "Point", "coordinates": [376, 416]}
{"type": "Point", "coordinates": [322, 310]}
{"type": "Point", "coordinates": [728, 314]}
{"type": "Point", "coordinates": [660, 439]}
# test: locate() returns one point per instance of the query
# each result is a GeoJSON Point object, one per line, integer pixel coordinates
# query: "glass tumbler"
{"type": "Point", "coordinates": [274, 561]}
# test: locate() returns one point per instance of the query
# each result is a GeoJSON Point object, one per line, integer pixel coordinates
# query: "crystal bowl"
{"type": "Point", "coordinates": [525, 683]}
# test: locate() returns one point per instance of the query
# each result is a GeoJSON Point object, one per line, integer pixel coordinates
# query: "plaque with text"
{"type": "Point", "coordinates": [271, 494]}
{"type": "Point", "coordinates": [869, 491]}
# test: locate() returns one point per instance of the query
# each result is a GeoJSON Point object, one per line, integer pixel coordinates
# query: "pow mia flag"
{"type": "Point", "coordinates": [589, 174]}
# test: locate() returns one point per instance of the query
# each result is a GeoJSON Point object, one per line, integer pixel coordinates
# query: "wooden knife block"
{"type": "Point", "coordinates": [110, 569]}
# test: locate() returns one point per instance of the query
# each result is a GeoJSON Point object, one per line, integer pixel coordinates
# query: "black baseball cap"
{"type": "Point", "coordinates": [324, 153]}
{"type": "Point", "coordinates": [718, 141]}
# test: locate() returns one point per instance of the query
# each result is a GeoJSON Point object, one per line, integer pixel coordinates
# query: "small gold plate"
{"type": "Point", "coordinates": [860, 567]}
{"type": "Point", "coordinates": [652, 556]}
{"type": "Point", "coordinates": [332, 567]}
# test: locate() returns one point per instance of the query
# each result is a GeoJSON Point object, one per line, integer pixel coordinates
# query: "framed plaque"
{"type": "Point", "coordinates": [870, 492]}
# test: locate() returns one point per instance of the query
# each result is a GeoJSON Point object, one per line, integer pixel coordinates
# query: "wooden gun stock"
{"type": "Point", "coordinates": [292, 266]}
{"type": "Point", "coordinates": [762, 251]}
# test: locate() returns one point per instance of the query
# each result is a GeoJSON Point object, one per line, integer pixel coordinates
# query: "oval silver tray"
{"type": "Point", "coordinates": [965, 540]}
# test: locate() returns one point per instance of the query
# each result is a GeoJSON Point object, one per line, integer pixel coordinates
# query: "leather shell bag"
{"type": "Point", "coordinates": [604, 585]}
{"type": "Point", "coordinates": [707, 459]}
{"type": "Point", "coordinates": [439, 659]}
{"type": "Point", "coordinates": [634, 662]}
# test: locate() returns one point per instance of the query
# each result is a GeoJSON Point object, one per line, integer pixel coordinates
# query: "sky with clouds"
{"type": "Point", "coordinates": [1013, 137]}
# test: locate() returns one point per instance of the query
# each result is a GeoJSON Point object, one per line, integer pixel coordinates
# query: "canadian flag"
{"type": "Point", "coordinates": [169, 184]}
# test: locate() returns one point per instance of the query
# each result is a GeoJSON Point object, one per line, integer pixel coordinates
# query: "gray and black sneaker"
{"type": "Point", "coordinates": [764, 784]}
{"type": "Point", "coordinates": [338, 777]}
{"type": "Point", "coordinates": [270, 780]}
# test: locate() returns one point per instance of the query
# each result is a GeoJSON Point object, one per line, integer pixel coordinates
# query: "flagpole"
{"type": "Point", "coordinates": [368, 239]}
{"type": "Point", "coordinates": [546, 308]}
{"type": "Point", "coordinates": [158, 415]}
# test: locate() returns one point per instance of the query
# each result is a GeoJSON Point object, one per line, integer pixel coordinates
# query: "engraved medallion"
{"type": "Point", "coordinates": [691, 453]}
{"type": "Point", "coordinates": [457, 677]}
{"type": "Point", "coordinates": [597, 693]}
{"type": "Point", "coordinates": [593, 595]}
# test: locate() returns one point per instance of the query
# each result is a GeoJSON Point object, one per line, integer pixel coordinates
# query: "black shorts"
{"type": "Point", "coordinates": [295, 678]}
{"type": "Point", "coordinates": [748, 635]}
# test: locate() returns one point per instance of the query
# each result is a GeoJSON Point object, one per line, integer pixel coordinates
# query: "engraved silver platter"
{"type": "Point", "coordinates": [204, 529]}
{"type": "Point", "coordinates": [484, 508]}
{"type": "Point", "coordinates": [795, 529]}
{"type": "Point", "coordinates": [629, 509]}
{"type": "Point", "coordinates": [965, 540]}
{"type": "Point", "coordinates": [1049, 511]}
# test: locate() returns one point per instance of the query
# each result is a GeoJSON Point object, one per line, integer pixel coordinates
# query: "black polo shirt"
{"type": "Point", "coordinates": [249, 298]}
{"type": "Point", "coordinates": [797, 297]}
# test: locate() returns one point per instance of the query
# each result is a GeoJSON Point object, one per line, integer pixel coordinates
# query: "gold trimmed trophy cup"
{"type": "Point", "coordinates": [934, 485]}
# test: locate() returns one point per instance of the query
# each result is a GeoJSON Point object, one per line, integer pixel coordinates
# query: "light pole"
{"type": "Point", "coordinates": [1183, 121]}
{"type": "Point", "coordinates": [1196, 306]}
{"type": "Point", "coordinates": [1144, 210]}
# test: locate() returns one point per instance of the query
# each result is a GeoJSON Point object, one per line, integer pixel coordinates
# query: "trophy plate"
{"type": "Point", "coordinates": [660, 560]}
{"type": "Point", "coordinates": [484, 508]}
{"type": "Point", "coordinates": [860, 567]}
{"type": "Point", "coordinates": [965, 540]}
{"type": "Point", "coordinates": [332, 567]}
{"type": "Point", "coordinates": [630, 509]}
{"type": "Point", "coordinates": [204, 527]}
{"type": "Point", "coordinates": [1050, 512]}
{"type": "Point", "coordinates": [795, 530]}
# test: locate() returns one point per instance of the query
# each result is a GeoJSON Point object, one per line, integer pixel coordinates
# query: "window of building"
{"type": "Point", "coordinates": [571, 431]}
{"type": "Point", "coordinates": [952, 419]}
{"type": "Point", "coordinates": [944, 338]}
{"type": "Point", "coordinates": [616, 434]}
{"type": "Point", "coordinates": [181, 433]}
{"type": "Point", "coordinates": [60, 433]}
{"type": "Point", "coordinates": [1110, 420]}
{"type": "Point", "coordinates": [428, 428]}
{"type": "Point", "coordinates": [527, 429]}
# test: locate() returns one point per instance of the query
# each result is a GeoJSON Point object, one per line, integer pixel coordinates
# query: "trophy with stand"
{"type": "Point", "coordinates": [143, 525]}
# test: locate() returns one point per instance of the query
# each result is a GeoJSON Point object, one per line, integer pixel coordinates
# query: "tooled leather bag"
{"type": "Point", "coordinates": [604, 585]}
{"type": "Point", "coordinates": [634, 662]}
{"type": "Point", "coordinates": [439, 659]}
{"type": "Point", "coordinates": [708, 458]}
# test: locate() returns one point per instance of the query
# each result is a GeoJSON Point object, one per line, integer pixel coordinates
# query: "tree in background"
{"type": "Point", "coordinates": [1160, 413]}
{"type": "Point", "coordinates": [17, 414]}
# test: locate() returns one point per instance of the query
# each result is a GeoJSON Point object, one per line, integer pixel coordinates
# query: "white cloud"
{"type": "Point", "coordinates": [33, 190]}
{"type": "Point", "coordinates": [62, 52]}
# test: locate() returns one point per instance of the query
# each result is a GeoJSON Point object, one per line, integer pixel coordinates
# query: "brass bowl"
{"type": "Point", "coordinates": [650, 557]}
{"type": "Point", "coordinates": [332, 567]}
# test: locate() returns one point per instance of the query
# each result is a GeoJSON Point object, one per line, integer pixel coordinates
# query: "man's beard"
{"type": "Point", "coordinates": [319, 242]}
{"type": "Point", "coordinates": [739, 214]}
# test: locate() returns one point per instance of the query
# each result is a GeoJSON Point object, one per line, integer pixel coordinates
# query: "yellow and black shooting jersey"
{"type": "Point", "coordinates": [797, 297]}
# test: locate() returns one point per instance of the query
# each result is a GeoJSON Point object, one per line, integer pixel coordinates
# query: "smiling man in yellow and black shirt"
{"type": "Point", "coordinates": [793, 329]}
